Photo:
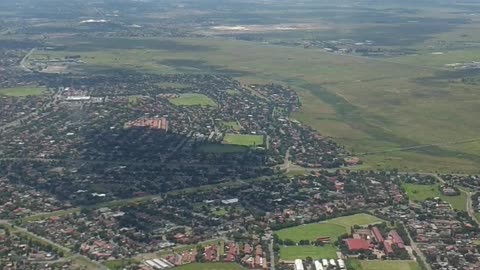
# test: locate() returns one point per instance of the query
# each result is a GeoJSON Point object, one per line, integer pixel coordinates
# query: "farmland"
{"type": "Point", "coordinates": [243, 139]}
{"type": "Point", "coordinates": [419, 193]}
{"type": "Point", "coordinates": [381, 265]}
{"type": "Point", "coordinates": [22, 91]}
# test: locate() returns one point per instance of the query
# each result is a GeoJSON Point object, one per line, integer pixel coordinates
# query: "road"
{"type": "Point", "coordinates": [418, 251]}
{"type": "Point", "coordinates": [24, 60]}
{"type": "Point", "coordinates": [272, 254]}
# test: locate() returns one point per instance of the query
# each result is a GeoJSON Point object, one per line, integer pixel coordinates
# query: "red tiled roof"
{"type": "Point", "coordinates": [388, 248]}
{"type": "Point", "coordinates": [377, 234]}
{"type": "Point", "coordinates": [397, 239]}
{"type": "Point", "coordinates": [357, 244]}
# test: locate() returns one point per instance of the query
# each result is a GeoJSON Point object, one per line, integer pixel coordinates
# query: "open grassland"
{"type": "Point", "coordinates": [382, 265]}
{"type": "Point", "coordinates": [193, 100]}
{"type": "Point", "coordinates": [419, 193]}
{"type": "Point", "coordinates": [22, 91]}
{"type": "Point", "coordinates": [374, 107]}
{"type": "Point", "coordinates": [243, 139]}
{"type": "Point", "coordinates": [210, 266]}
{"type": "Point", "coordinates": [290, 253]}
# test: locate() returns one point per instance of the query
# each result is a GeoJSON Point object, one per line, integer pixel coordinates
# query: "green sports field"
{"type": "Point", "coordinates": [192, 99]}
{"type": "Point", "coordinates": [291, 253]}
{"type": "Point", "coordinates": [382, 265]}
{"type": "Point", "coordinates": [210, 266]}
{"type": "Point", "coordinates": [22, 91]}
{"type": "Point", "coordinates": [243, 139]}
{"type": "Point", "coordinates": [419, 193]}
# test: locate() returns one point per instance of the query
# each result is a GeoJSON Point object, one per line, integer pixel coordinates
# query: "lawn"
{"type": "Point", "coordinates": [419, 193]}
{"type": "Point", "coordinates": [312, 231]}
{"type": "Point", "coordinates": [118, 264]}
{"type": "Point", "coordinates": [357, 219]}
{"type": "Point", "coordinates": [290, 253]}
{"type": "Point", "coordinates": [243, 139]}
{"type": "Point", "coordinates": [192, 99]}
{"type": "Point", "coordinates": [382, 265]}
{"type": "Point", "coordinates": [22, 91]}
{"type": "Point", "coordinates": [210, 266]}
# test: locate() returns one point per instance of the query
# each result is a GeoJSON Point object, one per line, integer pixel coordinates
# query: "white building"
{"type": "Point", "coordinates": [318, 265]}
{"type": "Point", "coordinates": [298, 264]}
{"type": "Point", "coordinates": [341, 264]}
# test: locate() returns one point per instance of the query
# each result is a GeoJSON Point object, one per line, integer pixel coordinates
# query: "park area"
{"type": "Point", "coordinates": [192, 99]}
{"type": "Point", "coordinates": [22, 91]}
{"type": "Point", "coordinates": [243, 139]}
{"type": "Point", "coordinates": [420, 193]}
{"type": "Point", "coordinates": [382, 265]}
{"type": "Point", "coordinates": [332, 228]}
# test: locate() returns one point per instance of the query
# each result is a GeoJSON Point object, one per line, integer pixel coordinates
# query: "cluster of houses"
{"type": "Point", "coordinates": [18, 200]}
{"type": "Point", "coordinates": [445, 237]}
{"type": "Point", "coordinates": [19, 253]}
{"type": "Point", "coordinates": [248, 254]}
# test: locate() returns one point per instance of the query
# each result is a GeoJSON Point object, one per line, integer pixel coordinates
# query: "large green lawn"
{"type": "Point", "coordinates": [193, 99]}
{"type": "Point", "coordinates": [290, 253]}
{"type": "Point", "coordinates": [22, 91]}
{"type": "Point", "coordinates": [243, 139]}
{"type": "Point", "coordinates": [312, 231]}
{"type": "Point", "coordinates": [419, 193]}
{"type": "Point", "coordinates": [210, 266]}
{"type": "Point", "coordinates": [382, 265]}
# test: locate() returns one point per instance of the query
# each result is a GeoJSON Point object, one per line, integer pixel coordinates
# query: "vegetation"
{"type": "Point", "coordinates": [382, 265]}
{"type": "Point", "coordinates": [290, 253]}
{"type": "Point", "coordinates": [420, 193]}
{"type": "Point", "coordinates": [22, 91]}
{"type": "Point", "coordinates": [243, 139]}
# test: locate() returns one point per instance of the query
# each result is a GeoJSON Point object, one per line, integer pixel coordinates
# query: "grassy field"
{"type": "Point", "coordinates": [332, 228]}
{"type": "Point", "coordinates": [243, 139]}
{"type": "Point", "coordinates": [22, 91]}
{"type": "Point", "coordinates": [419, 193]}
{"type": "Point", "coordinates": [210, 266]}
{"type": "Point", "coordinates": [118, 264]}
{"type": "Point", "coordinates": [368, 105]}
{"type": "Point", "coordinates": [193, 100]}
{"type": "Point", "coordinates": [382, 265]}
{"type": "Point", "coordinates": [290, 253]}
